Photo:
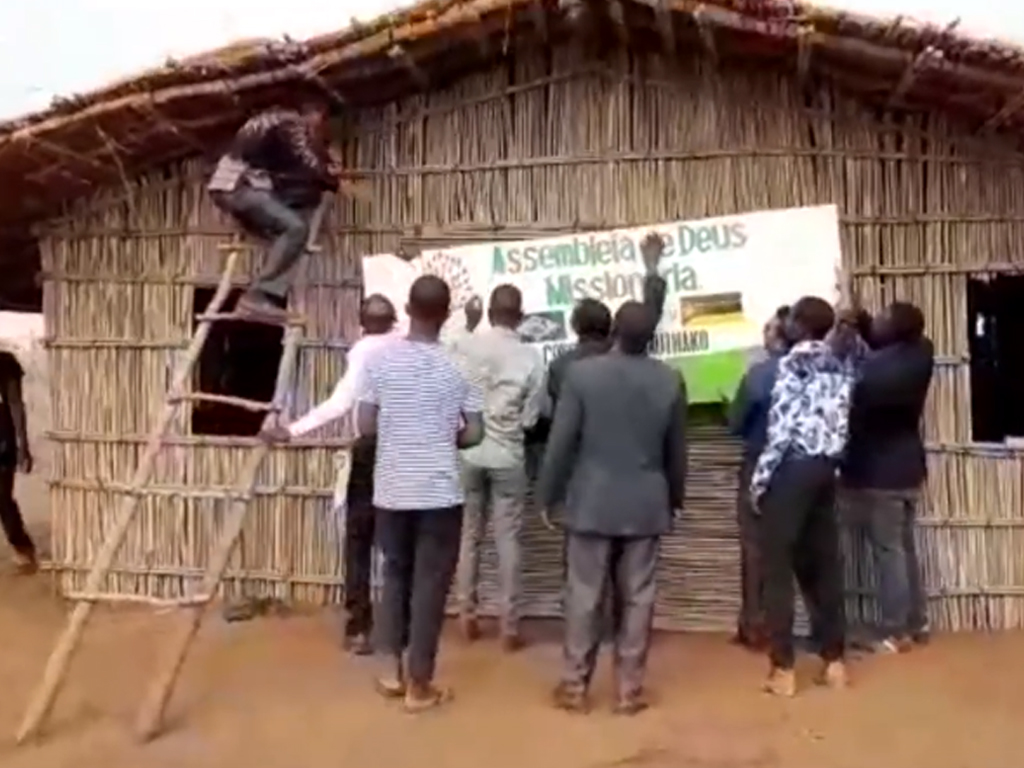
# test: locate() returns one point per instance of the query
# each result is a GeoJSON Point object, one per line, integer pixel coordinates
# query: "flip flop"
{"type": "Point", "coordinates": [390, 687]}
{"type": "Point", "coordinates": [436, 697]}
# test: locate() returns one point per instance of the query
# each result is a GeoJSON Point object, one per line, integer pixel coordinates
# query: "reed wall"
{"type": "Point", "coordinates": [553, 142]}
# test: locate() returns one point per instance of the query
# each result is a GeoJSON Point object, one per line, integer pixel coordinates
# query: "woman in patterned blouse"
{"type": "Point", "coordinates": [793, 487]}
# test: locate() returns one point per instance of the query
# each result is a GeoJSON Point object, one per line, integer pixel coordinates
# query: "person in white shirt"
{"type": "Point", "coordinates": [377, 318]}
{"type": "Point", "coordinates": [510, 374]}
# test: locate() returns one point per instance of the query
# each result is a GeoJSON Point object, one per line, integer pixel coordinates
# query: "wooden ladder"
{"type": "Point", "coordinates": [180, 638]}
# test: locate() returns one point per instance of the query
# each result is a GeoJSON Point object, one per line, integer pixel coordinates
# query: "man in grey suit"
{"type": "Point", "coordinates": [616, 463]}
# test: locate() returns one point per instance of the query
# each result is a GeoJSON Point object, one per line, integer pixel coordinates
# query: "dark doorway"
{"type": "Point", "coordinates": [995, 318]}
{"type": "Point", "coordinates": [239, 359]}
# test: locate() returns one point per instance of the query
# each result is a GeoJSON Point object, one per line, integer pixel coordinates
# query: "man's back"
{"type": "Point", "coordinates": [626, 471]}
{"type": "Point", "coordinates": [420, 396]}
{"type": "Point", "coordinates": [885, 449]}
{"type": "Point", "coordinates": [510, 375]}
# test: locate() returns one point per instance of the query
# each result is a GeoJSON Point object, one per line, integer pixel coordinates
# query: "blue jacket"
{"type": "Point", "coordinates": [748, 415]}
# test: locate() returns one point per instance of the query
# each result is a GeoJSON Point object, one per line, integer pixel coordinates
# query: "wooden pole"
{"type": "Point", "coordinates": [150, 717]}
{"type": "Point", "coordinates": [43, 697]}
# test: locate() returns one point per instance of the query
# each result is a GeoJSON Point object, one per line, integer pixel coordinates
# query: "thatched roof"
{"type": "Point", "coordinates": [186, 107]}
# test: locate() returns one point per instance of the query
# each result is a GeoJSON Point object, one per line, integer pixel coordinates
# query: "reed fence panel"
{"type": "Point", "coordinates": [551, 142]}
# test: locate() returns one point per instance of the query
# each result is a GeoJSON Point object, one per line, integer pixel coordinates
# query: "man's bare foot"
{"type": "Point", "coordinates": [571, 699]}
{"type": "Point", "coordinates": [631, 703]}
{"type": "Point", "coordinates": [781, 682]}
{"type": "Point", "coordinates": [358, 644]}
{"type": "Point", "coordinates": [420, 698]}
{"type": "Point", "coordinates": [469, 627]}
{"type": "Point", "coordinates": [512, 642]}
{"type": "Point", "coordinates": [833, 675]}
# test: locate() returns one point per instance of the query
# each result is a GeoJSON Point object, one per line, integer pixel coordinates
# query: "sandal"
{"type": "Point", "coordinates": [390, 687]}
{"type": "Point", "coordinates": [420, 699]}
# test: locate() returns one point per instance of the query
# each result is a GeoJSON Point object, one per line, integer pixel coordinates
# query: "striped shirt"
{"type": "Point", "coordinates": [421, 398]}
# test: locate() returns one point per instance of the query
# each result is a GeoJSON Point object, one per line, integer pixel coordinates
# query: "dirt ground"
{"type": "Point", "coordinates": [278, 693]}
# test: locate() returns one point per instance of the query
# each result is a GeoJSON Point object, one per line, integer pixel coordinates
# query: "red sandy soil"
{"type": "Point", "coordinates": [279, 693]}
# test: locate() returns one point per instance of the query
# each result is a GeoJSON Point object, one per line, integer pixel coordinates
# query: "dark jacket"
{"type": "Point", "coordinates": [654, 298]}
{"type": "Point", "coordinates": [11, 375]}
{"type": "Point", "coordinates": [885, 449]}
{"type": "Point", "coordinates": [278, 142]}
{"type": "Point", "coordinates": [616, 456]}
{"type": "Point", "coordinates": [748, 414]}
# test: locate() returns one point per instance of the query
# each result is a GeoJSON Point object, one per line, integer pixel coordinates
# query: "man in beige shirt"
{"type": "Point", "coordinates": [510, 374]}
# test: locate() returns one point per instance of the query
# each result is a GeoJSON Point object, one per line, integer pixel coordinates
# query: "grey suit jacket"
{"type": "Point", "coordinates": [616, 455]}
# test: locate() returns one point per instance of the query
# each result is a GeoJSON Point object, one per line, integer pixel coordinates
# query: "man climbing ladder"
{"type": "Point", "coordinates": [269, 145]}
{"type": "Point", "coordinates": [270, 180]}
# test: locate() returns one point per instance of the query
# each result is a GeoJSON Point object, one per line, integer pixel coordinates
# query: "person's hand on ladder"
{"type": "Point", "coordinates": [275, 434]}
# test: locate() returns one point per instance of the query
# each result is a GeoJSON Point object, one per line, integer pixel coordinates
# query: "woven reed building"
{"type": "Point", "coordinates": [482, 120]}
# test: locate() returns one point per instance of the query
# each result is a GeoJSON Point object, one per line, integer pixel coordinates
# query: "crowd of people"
{"type": "Point", "coordinates": [450, 426]}
{"type": "Point", "coordinates": [830, 421]}
{"type": "Point", "coordinates": [453, 427]}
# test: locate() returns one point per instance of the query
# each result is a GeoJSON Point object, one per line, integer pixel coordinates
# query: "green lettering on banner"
{"type": "Point", "coordinates": [612, 249]}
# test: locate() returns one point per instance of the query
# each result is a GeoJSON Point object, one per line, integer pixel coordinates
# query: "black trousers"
{"type": "Point", "coordinates": [10, 514]}
{"type": "Point", "coordinates": [421, 551]}
{"type": "Point", "coordinates": [750, 624]}
{"type": "Point", "coordinates": [358, 553]}
{"type": "Point", "coordinates": [800, 537]}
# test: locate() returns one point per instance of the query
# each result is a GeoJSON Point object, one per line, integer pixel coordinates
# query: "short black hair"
{"type": "Point", "coordinates": [430, 299]}
{"type": "Point", "coordinates": [634, 327]}
{"type": "Point", "coordinates": [906, 321]}
{"type": "Point", "coordinates": [505, 305]}
{"type": "Point", "coordinates": [782, 312]}
{"type": "Point", "coordinates": [591, 319]}
{"type": "Point", "coordinates": [813, 316]}
{"type": "Point", "coordinates": [377, 313]}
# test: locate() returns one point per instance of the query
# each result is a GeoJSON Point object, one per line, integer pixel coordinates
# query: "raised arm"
{"type": "Point", "coordinates": [562, 445]}
{"type": "Point", "coordinates": [655, 287]}
{"type": "Point", "coordinates": [314, 159]}
{"type": "Point", "coordinates": [888, 383]}
{"type": "Point", "coordinates": [341, 401]}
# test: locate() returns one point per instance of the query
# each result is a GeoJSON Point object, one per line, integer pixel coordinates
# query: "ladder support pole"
{"type": "Point", "coordinates": [45, 694]}
{"type": "Point", "coordinates": [150, 717]}
{"type": "Point", "coordinates": [151, 712]}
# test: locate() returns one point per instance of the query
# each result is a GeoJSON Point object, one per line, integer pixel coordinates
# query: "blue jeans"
{"type": "Point", "coordinates": [264, 215]}
{"type": "Point", "coordinates": [887, 518]}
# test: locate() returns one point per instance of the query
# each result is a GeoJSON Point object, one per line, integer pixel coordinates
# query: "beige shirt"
{"type": "Point", "coordinates": [510, 374]}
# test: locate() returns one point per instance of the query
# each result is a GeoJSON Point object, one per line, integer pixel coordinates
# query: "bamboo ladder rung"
{"type": "Point", "coordinates": [153, 706]}
{"type": "Point", "coordinates": [255, 406]}
{"type": "Point", "coordinates": [245, 246]}
{"type": "Point", "coordinates": [120, 597]}
{"type": "Point", "coordinates": [290, 321]}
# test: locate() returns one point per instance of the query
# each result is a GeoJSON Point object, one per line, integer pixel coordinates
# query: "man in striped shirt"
{"type": "Point", "coordinates": [422, 410]}
{"type": "Point", "coordinates": [269, 181]}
